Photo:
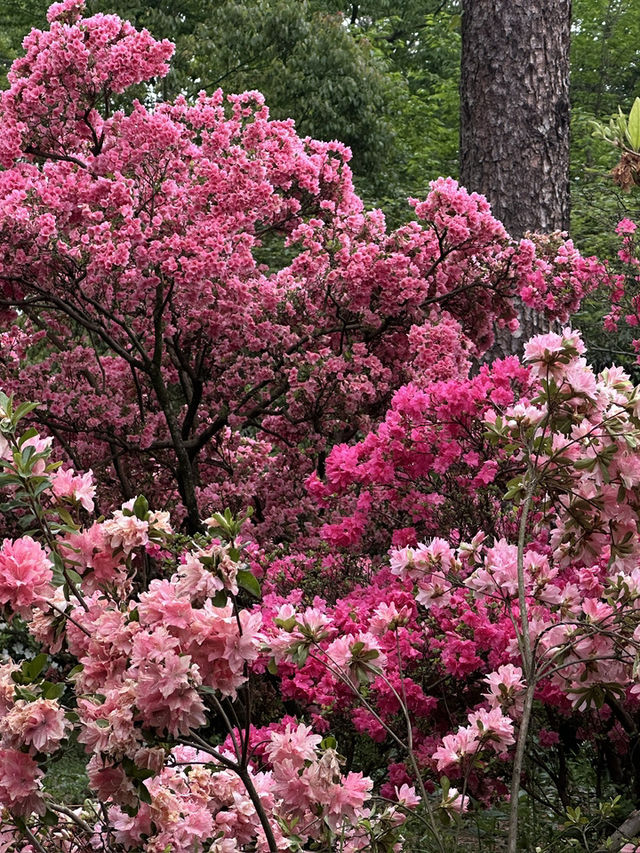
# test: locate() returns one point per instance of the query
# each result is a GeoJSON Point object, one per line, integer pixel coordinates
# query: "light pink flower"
{"type": "Point", "coordinates": [40, 725]}
{"type": "Point", "coordinates": [25, 573]}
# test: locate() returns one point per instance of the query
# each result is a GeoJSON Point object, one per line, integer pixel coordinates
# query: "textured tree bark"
{"type": "Point", "coordinates": [514, 118]}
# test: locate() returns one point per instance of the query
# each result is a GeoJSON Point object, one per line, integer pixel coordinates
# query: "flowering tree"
{"type": "Point", "coordinates": [204, 306]}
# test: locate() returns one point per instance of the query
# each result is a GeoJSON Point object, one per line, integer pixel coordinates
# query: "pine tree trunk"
{"type": "Point", "coordinates": [514, 118]}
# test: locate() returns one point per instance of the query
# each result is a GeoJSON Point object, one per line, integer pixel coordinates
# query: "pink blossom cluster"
{"type": "Point", "coordinates": [28, 731]}
{"type": "Point", "coordinates": [111, 218]}
{"type": "Point", "coordinates": [298, 783]}
{"type": "Point", "coordinates": [155, 661]}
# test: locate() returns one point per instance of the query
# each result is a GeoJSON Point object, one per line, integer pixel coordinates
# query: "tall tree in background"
{"type": "Point", "coordinates": [514, 122]}
{"type": "Point", "coordinates": [514, 110]}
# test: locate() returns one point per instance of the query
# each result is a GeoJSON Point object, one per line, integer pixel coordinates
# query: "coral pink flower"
{"type": "Point", "coordinates": [19, 783]}
{"type": "Point", "coordinates": [40, 725]}
{"type": "Point", "coordinates": [25, 573]}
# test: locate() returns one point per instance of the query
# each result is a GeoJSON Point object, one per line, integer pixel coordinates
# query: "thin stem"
{"type": "Point", "coordinates": [407, 747]}
{"type": "Point", "coordinates": [33, 840]}
{"type": "Point", "coordinates": [528, 669]}
{"type": "Point", "coordinates": [247, 781]}
{"type": "Point", "coordinates": [227, 723]}
{"type": "Point", "coordinates": [69, 618]}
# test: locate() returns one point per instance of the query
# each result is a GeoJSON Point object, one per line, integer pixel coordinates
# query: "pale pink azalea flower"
{"type": "Point", "coordinates": [505, 687]}
{"type": "Point", "coordinates": [524, 414]}
{"type": "Point", "coordinates": [455, 802]}
{"type": "Point", "coordinates": [111, 784]}
{"type": "Point", "coordinates": [196, 582]}
{"type": "Point", "coordinates": [25, 574]}
{"type": "Point", "coordinates": [387, 617]}
{"type": "Point", "coordinates": [166, 694]}
{"type": "Point", "coordinates": [108, 727]}
{"type": "Point", "coordinates": [90, 550]}
{"type": "Point", "coordinates": [20, 783]}
{"type": "Point", "coordinates": [66, 483]}
{"type": "Point", "coordinates": [7, 686]}
{"type": "Point", "coordinates": [40, 725]}
{"type": "Point", "coordinates": [162, 605]}
{"type": "Point", "coordinates": [40, 445]}
{"type": "Point", "coordinates": [455, 747]}
{"type": "Point", "coordinates": [433, 588]}
{"type": "Point", "coordinates": [313, 624]}
{"type": "Point", "coordinates": [493, 727]}
{"type": "Point", "coordinates": [126, 531]}
{"type": "Point", "coordinates": [402, 561]}
{"type": "Point", "coordinates": [160, 521]}
{"type": "Point", "coordinates": [348, 799]}
{"type": "Point", "coordinates": [596, 610]}
{"type": "Point", "coordinates": [296, 744]}
{"type": "Point", "coordinates": [543, 347]}
{"type": "Point", "coordinates": [580, 378]}
{"type": "Point", "coordinates": [8, 837]}
{"type": "Point", "coordinates": [406, 796]}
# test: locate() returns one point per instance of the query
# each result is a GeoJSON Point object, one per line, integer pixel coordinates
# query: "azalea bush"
{"type": "Point", "coordinates": [288, 564]}
{"type": "Point", "coordinates": [204, 307]}
{"type": "Point", "coordinates": [156, 646]}
{"type": "Point", "coordinates": [147, 646]}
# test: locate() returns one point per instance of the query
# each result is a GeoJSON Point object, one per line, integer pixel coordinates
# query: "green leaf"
{"type": "Point", "coordinates": [143, 794]}
{"type": "Point", "coordinates": [24, 409]}
{"type": "Point", "coordinates": [51, 690]}
{"type": "Point", "coordinates": [134, 772]}
{"type": "Point", "coordinates": [30, 433]}
{"type": "Point", "coordinates": [31, 669]}
{"type": "Point", "coordinates": [141, 508]}
{"type": "Point", "coordinates": [248, 581]}
{"type": "Point", "coordinates": [66, 518]}
{"type": "Point", "coordinates": [220, 598]}
{"type": "Point", "coordinates": [49, 818]}
{"type": "Point", "coordinates": [634, 125]}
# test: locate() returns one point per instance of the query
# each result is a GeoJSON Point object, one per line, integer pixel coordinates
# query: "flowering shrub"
{"type": "Point", "coordinates": [161, 639]}
{"type": "Point", "coordinates": [542, 606]}
{"type": "Point", "coordinates": [205, 307]}
{"type": "Point", "coordinates": [449, 558]}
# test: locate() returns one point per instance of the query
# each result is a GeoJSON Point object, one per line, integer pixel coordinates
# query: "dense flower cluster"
{"type": "Point", "coordinates": [157, 663]}
{"type": "Point", "coordinates": [203, 292]}
{"type": "Point", "coordinates": [447, 609]}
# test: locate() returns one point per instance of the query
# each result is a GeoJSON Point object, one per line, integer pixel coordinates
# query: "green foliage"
{"type": "Point", "coordinates": [66, 778]}
{"type": "Point", "coordinates": [605, 73]}
{"type": "Point", "coordinates": [420, 45]}
{"type": "Point", "coordinates": [299, 53]}
{"type": "Point", "coordinates": [17, 17]}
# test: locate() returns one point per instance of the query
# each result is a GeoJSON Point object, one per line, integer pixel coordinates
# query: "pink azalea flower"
{"type": "Point", "coordinates": [25, 573]}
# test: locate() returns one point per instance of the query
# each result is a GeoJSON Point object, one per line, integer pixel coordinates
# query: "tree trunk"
{"type": "Point", "coordinates": [514, 120]}
{"type": "Point", "coordinates": [514, 110]}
